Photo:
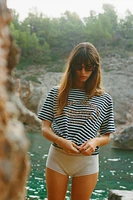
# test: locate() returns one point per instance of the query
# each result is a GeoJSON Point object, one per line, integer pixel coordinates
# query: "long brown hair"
{"type": "Point", "coordinates": [82, 53]}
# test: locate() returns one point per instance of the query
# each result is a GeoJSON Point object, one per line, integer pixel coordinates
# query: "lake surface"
{"type": "Point", "coordinates": [116, 170]}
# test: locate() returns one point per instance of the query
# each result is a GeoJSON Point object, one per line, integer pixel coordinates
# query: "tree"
{"type": "Point", "coordinates": [126, 30]}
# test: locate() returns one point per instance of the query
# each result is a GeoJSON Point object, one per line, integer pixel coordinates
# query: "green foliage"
{"type": "Point", "coordinates": [45, 40]}
{"type": "Point", "coordinates": [58, 66]}
{"type": "Point", "coordinates": [32, 78]}
{"type": "Point", "coordinates": [23, 64]}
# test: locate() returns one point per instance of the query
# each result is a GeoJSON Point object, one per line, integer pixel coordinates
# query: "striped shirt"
{"type": "Point", "coordinates": [82, 118]}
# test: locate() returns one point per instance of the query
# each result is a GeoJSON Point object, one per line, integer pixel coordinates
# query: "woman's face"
{"type": "Point", "coordinates": [83, 73]}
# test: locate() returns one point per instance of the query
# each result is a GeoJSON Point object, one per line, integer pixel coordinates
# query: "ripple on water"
{"type": "Point", "coordinates": [114, 159]}
{"type": "Point", "coordinates": [115, 171]}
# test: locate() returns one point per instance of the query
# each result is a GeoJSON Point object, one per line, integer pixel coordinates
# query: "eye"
{"type": "Point", "coordinates": [78, 67]}
{"type": "Point", "coordinates": [89, 68]}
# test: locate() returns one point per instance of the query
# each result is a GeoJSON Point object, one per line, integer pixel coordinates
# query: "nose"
{"type": "Point", "coordinates": [83, 69]}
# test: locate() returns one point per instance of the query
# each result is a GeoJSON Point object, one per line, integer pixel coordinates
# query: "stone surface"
{"type": "Point", "coordinates": [117, 80]}
{"type": "Point", "coordinates": [120, 195]}
{"type": "Point", "coordinates": [14, 162]}
{"type": "Point", "coordinates": [123, 139]}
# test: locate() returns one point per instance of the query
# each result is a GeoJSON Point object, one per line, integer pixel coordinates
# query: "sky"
{"type": "Point", "coordinates": [54, 8]}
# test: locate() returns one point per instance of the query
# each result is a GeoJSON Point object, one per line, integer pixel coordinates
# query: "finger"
{"type": "Point", "coordinates": [75, 146]}
{"type": "Point", "coordinates": [82, 145]}
{"type": "Point", "coordinates": [82, 148]}
{"type": "Point", "coordinates": [75, 150]}
{"type": "Point", "coordinates": [86, 153]}
{"type": "Point", "coordinates": [85, 148]}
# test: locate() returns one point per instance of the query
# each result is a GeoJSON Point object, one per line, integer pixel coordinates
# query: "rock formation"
{"type": "Point", "coordinates": [14, 162]}
{"type": "Point", "coordinates": [117, 80]}
{"type": "Point", "coordinates": [120, 195]}
{"type": "Point", "coordinates": [123, 139]}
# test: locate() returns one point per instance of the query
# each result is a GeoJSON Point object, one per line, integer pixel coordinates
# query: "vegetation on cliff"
{"type": "Point", "coordinates": [45, 40]}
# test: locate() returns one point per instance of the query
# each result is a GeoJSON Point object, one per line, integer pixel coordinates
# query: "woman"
{"type": "Point", "coordinates": [77, 117]}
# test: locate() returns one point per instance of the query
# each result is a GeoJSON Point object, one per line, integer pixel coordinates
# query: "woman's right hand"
{"type": "Point", "coordinates": [67, 146]}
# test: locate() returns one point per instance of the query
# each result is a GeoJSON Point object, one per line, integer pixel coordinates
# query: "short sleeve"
{"type": "Point", "coordinates": [108, 125]}
{"type": "Point", "coordinates": [47, 110]}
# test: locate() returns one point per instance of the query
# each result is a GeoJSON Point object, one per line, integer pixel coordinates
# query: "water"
{"type": "Point", "coordinates": [116, 170]}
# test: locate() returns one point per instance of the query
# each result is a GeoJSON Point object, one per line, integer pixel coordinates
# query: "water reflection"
{"type": "Point", "coordinates": [116, 170]}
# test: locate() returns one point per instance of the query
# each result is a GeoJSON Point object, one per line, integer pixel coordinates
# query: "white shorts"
{"type": "Point", "coordinates": [71, 164]}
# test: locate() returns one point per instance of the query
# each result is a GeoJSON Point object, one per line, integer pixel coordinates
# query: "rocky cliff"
{"type": "Point", "coordinates": [117, 80]}
{"type": "Point", "coordinates": [14, 144]}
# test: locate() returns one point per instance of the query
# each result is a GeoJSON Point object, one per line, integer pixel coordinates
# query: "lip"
{"type": "Point", "coordinates": [83, 77]}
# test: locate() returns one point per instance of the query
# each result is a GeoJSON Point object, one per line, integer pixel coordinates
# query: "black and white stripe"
{"type": "Point", "coordinates": [82, 118]}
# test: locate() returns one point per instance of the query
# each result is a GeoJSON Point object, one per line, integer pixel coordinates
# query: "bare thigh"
{"type": "Point", "coordinates": [83, 186]}
{"type": "Point", "coordinates": [56, 185]}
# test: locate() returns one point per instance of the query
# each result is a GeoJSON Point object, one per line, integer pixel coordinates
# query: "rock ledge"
{"type": "Point", "coordinates": [120, 195]}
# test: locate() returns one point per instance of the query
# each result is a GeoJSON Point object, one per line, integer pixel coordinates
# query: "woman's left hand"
{"type": "Point", "coordinates": [88, 147]}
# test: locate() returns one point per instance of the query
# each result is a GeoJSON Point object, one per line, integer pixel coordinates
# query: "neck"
{"type": "Point", "coordinates": [78, 86]}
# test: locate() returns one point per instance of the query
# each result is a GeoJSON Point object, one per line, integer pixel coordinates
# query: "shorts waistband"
{"type": "Point", "coordinates": [64, 152]}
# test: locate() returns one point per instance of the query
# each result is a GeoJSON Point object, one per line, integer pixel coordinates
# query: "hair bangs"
{"type": "Point", "coordinates": [82, 56]}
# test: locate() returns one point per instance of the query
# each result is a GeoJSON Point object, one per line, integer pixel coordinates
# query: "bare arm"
{"type": "Point", "coordinates": [103, 140]}
{"type": "Point", "coordinates": [47, 131]}
{"type": "Point", "coordinates": [89, 146]}
{"type": "Point", "coordinates": [66, 145]}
